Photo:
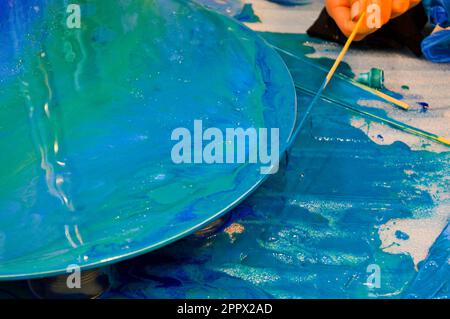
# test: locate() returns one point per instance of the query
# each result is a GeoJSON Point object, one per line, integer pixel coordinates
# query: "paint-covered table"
{"type": "Point", "coordinates": [357, 209]}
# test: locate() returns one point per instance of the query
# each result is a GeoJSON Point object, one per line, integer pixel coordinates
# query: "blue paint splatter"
{"type": "Point", "coordinates": [401, 235]}
{"type": "Point", "coordinates": [424, 106]}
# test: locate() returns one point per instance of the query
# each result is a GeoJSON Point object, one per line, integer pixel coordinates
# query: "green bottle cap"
{"type": "Point", "coordinates": [374, 78]}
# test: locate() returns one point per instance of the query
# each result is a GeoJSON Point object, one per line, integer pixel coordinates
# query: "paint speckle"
{"type": "Point", "coordinates": [405, 87]}
{"type": "Point", "coordinates": [425, 106]}
{"type": "Point", "coordinates": [409, 172]}
{"type": "Point", "coordinates": [233, 229]}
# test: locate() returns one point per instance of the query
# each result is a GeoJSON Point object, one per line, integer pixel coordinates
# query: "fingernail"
{"type": "Point", "coordinates": [354, 12]}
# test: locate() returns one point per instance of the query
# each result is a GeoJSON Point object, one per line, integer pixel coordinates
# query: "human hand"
{"type": "Point", "coordinates": [378, 12]}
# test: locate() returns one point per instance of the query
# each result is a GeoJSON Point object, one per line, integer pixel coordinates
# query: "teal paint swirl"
{"type": "Point", "coordinates": [86, 175]}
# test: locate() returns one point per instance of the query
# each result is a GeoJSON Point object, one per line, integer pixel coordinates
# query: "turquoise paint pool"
{"type": "Point", "coordinates": [86, 175]}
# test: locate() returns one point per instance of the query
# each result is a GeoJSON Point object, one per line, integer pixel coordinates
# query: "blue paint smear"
{"type": "Point", "coordinates": [247, 14]}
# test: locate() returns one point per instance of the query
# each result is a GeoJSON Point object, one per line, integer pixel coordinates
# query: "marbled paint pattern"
{"type": "Point", "coordinates": [86, 174]}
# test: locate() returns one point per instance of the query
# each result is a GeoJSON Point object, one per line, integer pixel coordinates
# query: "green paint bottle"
{"type": "Point", "coordinates": [374, 78]}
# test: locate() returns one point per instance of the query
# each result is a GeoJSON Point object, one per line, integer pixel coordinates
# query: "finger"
{"type": "Point", "coordinates": [340, 11]}
{"type": "Point", "coordinates": [330, 5]}
{"type": "Point", "coordinates": [378, 13]}
{"type": "Point", "coordinates": [384, 7]}
{"type": "Point", "coordinates": [399, 7]}
{"type": "Point", "coordinates": [357, 7]}
{"type": "Point", "coordinates": [341, 16]}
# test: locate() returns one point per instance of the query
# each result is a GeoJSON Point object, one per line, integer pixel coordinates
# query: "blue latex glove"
{"type": "Point", "coordinates": [438, 12]}
{"type": "Point", "coordinates": [436, 47]}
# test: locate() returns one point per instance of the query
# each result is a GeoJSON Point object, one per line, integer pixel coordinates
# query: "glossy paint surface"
{"type": "Point", "coordinates": [230, 7]}
{"type": "Point", "coordinates": [86, 116]}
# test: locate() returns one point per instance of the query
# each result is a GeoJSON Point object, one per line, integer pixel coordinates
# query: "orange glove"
{"type": "Point", "coordinates": [378, 12]}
